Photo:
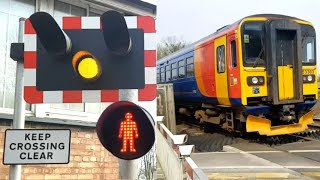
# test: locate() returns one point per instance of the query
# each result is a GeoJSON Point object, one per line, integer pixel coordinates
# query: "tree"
{"type": "Point", "coordinates": [169, 45]}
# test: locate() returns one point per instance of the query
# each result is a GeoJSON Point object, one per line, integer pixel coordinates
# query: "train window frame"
{"type": "Point", "coordinates": [189, 62]}
{"type": "Point", "coordinates": [308, 33]}
{"type": "Point", "coordinates": [162, 75]}
{"type": "Point", "coordinates": [158, 75]}
{"type": "Point", "coordinates": [168, 73]}
{"type": "Point", "coordinates": [174, 71]}
{"type": "Point", "coordinates": [181, 68]}
{"type": "Point", "coordinates": [221, 67]}
{"type": "Point", "coordinates": [174, 65]}
{"type": "Point", "coordinates": [245, 41]}
{"type": "Point", "coordinates": [309, 51]}
{"type": "Point", "coordinates": [233, 53]}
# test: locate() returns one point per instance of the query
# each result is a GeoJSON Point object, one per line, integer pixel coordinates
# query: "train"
{"type": "Point", "coordinates": [256, 75]}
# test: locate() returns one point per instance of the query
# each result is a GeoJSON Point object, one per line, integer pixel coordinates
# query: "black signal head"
{"type": "Point", "coordinates": [51, 36]}
{"type": "Point", "coordinates": [115, 33]}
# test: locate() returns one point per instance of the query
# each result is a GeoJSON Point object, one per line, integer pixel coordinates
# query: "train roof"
{"type": "Point", "coordinates": [191, 46]}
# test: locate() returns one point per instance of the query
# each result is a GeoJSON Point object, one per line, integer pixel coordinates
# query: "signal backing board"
{"type": "Point", "coordinates": [33, 95]}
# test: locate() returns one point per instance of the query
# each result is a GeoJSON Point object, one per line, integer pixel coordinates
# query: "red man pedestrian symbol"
{"type": "Point", "coordinates": [128, 131]}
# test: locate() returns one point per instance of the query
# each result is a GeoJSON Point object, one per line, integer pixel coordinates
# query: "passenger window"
{"type": "Point", "coordinates": [174, 71]}
{"type": "Point", "coordinates": [181, 63]}
{"type": "Point", "coordinates": [168, 73]}
{"type": "Point", "coordinates": [182, 69]}
{"type": "Point", "coordinates": [190, 60]}
{"type": "Point", "coordinates": [162, 75]}
{"type": "Point", "coordinates": [158, 75]}
{"type": "Point", "coordinates": [190, 67]}
{"type": "Point", "coordinates": [233, 53]}
{"type": "Point", "coordinates": [220, 59]}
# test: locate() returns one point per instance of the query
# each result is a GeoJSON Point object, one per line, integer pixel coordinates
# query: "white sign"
{"type": "Point", "coordinates": [37, 146]}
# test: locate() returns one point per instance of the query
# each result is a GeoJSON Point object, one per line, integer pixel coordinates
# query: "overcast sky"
{"type": "Point", "coordinates": [194, 19]}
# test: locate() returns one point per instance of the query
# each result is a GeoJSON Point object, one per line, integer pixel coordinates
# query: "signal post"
{"type": "Point", "coordinates": [111, 59]}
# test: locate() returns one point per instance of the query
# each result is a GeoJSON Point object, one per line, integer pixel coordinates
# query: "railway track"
{"type": "Point", "coordinates": [311, 134]}
{"type": "Point", "coordinates": [214, 141]}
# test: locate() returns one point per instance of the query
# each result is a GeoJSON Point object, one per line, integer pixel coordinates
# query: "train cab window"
{"type": "Point", "coordinates": [162, 75]}
{"type": "Point", "coordinates": [220, 59]}
{"type": "Point", "coordinates": [182, 69]}
{"type": "Point", "coordinates": [190, 68]}
{"type": "Point", "coordinates": [168, 73]}
{"type": "Point", "coordinates": [308, 51]}
{"type": "Point", "coordinates": [233, 53]}
{"type": "Point", "coordinates": [174, 71]}
{"type": "Point", "coordinates": [308, 44]}
{"type": "Point", "coordinates": [253, 37]}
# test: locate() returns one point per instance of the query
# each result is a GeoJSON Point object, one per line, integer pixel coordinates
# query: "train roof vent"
{"type": "Point", "coordinates": [222, 28]}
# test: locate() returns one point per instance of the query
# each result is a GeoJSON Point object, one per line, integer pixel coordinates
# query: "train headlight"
{"type": "Point", "coordinates": [309, 78]}
{"type": "Point", "coordinates": [255, 80]}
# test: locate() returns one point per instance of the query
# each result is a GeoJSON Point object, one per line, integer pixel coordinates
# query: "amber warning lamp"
{"type": "Point", "coordinates": [126, 130]}
{"type": "Point", "coordinates": [86, 66]}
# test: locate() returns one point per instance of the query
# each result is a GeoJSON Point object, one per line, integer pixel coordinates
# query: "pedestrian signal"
{"type": "Point", "coordinates": [126, 130]}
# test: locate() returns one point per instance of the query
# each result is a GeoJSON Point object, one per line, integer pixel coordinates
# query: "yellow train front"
{"type": "Point", "coordinates": [258, 74]}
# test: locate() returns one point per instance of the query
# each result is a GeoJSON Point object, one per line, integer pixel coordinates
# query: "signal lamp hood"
{"type": "Point", "coordinates": [51, 36]}
{"type": "Point", "coordinates": [115, 33]}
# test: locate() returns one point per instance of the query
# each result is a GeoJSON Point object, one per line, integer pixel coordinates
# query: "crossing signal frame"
{"type": "Point", "coordinates": [33, 71]}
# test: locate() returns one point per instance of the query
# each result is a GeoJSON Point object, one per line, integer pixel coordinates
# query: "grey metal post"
{"type": "Point", "coordinates": [128, 169]}
{"type": "Point", "coordinates": [19, 104]}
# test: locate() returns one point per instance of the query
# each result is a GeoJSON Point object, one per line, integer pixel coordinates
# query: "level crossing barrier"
{"type": "Point", "coordinates": [174, 156]}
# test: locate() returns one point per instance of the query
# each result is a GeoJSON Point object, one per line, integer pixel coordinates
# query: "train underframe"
{"type": "Point", "coordinates": [264, 120]}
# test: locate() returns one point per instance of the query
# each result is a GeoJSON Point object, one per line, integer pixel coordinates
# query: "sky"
{"type": "Point", "coordinates": [192, 20]}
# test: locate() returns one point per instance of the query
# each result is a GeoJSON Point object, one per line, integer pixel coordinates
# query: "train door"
{"type": "Point", "coordinates": [285, 54]}
{"type": "Point", "coordinates": [221, 71]}
{"type": "Point", "coordinates": [233, 70]}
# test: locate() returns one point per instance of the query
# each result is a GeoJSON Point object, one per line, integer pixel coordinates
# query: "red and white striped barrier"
{"type": "Point", "coordinates": [193, 172]}
{"type": "Point", "coordinates": [172, 140]}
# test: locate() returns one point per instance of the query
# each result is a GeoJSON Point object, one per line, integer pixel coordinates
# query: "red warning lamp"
{"type": "Point", "coordinates": [126, 130]}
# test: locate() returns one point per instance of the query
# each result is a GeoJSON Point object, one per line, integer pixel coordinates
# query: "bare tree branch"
{"type": "Point", "coordinates": [170, 45]}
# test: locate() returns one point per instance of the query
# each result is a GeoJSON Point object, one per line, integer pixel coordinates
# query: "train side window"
{"type": "Point", "coordinates": [162, 75]}
{"type": "Point", "coordinates": [158, 75]}
{"type": "Point", "coordinates": [182, 63]}
{"type": "Point", "coordinates": [174, 71]}
{"type": "Point", "coordinates": [190, 60]}
{"type": "Point", "coordinates": [220, 59]}
{"type": "Point", "coordinates": [182, 69]}
{"type": "Point", "coordinates": [233, 53]}
{"type": "Point", "coordinates": [173, 65]}
{"type": "Point", "coordinates": [190, 67]}
{"type": "Point", "coordinates": [168, 73]}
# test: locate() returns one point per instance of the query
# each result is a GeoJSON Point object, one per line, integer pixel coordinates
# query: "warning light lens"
{"type": "Point", "coordinates": [88, 68]}
{"type": "Point", "coordinates": [86, 65]}
{"type": "Point", "coordinates": [126, 130]}
{"type": "Point", "coordinates": [128, 127]}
